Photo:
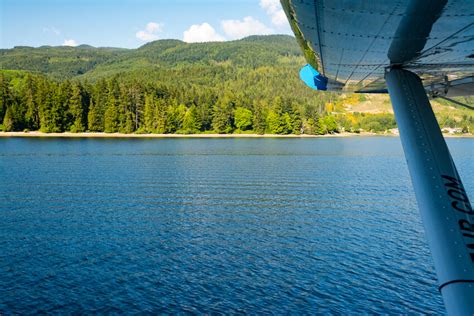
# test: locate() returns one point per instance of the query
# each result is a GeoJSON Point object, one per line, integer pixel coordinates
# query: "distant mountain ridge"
{"type": "Point", "coordinates": [64, 62]}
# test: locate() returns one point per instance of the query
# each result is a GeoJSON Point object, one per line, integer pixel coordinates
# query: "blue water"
{"type": "Point", "coordinates": [281, 226]}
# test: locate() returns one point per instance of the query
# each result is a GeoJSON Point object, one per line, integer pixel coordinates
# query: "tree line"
{"type": "Point", "coordinates": [35, 102]}
{"type": "Point", "coordinates": [31, 102]}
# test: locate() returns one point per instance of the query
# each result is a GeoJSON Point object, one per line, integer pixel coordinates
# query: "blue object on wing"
{"type": "Point", "coordinates": [313, 78]}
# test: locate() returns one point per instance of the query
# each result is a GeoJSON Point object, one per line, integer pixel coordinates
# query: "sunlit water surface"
{"type": "Point", "coordinates": [214, 225]}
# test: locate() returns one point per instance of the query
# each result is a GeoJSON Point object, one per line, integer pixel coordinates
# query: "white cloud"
{"type": "Point", "coordinates": [236, 29]}
{"type": "Point", "coordinates": [274, 10]}
{"type": "Point", "coordinates": [70, 42]}
{"type": "Point", "coordinates": [151, 32]}
{"type": "Point", "coordinates": [199, 33]}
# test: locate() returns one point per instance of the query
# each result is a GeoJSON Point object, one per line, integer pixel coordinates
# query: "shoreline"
{"type": "Point", "coordinates": [122, 135]}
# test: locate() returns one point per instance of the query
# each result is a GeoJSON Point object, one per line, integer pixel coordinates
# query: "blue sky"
{"type": "Point", "coordinates": [132, 23]}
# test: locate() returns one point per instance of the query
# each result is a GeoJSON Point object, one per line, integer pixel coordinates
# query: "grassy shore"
{"type": "Point", "coordinates": [121, 135]}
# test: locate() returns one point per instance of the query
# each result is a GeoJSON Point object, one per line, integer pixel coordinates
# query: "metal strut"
{"type": "Point", "coordinates": [447, 215]}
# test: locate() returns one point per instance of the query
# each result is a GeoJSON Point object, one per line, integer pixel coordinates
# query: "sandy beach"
{"type": "Point", "coordinates": [121, 135]}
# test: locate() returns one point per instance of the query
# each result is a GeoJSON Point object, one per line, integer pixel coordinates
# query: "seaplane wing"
{"type": "Point", "coordinates": [350, 44]}
{"type": "Point", "coordinates": [409, 49]}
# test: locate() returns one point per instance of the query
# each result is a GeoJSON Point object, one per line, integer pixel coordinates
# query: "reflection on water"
{"type": "Point", "coordinates": [214, 225]}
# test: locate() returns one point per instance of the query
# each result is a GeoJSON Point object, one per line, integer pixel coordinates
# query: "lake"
{"type": "Point", "coordinates": [301, 226]}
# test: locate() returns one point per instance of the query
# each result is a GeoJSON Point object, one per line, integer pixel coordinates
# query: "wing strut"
{"type": "Point", "coordinates": [467, 106]}
{"type": "Point", "coordinates": [444, 205]}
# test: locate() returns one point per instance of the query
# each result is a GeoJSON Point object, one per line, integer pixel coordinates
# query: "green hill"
{"type": "Point", "coordinates": [168, 86]}
{"type": "Point", "coordinates": [70, 62]}
{"type": "Point", "coordinates": [60, 62]}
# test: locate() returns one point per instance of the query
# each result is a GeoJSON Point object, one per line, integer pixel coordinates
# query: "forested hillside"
{"type": "Point", "coordinates": [169, 86]}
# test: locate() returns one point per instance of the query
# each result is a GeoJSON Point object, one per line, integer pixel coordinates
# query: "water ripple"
{"type": "Point", "coordinates": [268, 226]}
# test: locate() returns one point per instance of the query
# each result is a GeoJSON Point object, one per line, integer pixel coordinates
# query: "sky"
{"type": "Point", "coordinates": [132, 23]}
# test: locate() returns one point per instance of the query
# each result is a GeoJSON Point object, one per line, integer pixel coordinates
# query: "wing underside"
{"type": "Point", "coordinates": [352, 43]}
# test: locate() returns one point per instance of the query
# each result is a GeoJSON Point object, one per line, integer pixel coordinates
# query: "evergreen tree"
{"type": "Point", "coordinates": [286, 124]}
{"type": "Point", "coordinates": [296, 121]}
{"type": "Point", "coordinates": [44, 106]}
{"type": "Point", "coordinates": [149, 114]}
{"type": "Point", "coordinates": [31, 115]}
{"type": "Point", "coordinates": [129, 123]}
{"type": "Point", "coordinates": [53, 111]}
{"type": "Point", "coordinates": [123, 105]}
{"type": "Point", "coordinates": [3, 96]}
{"type": "Point", "coordinates": [8, 123]}
{"type": "Point", "coordinates": [223, 113]}
{"type": "Point", "coordinates": [191, 121]}
{"type": "Point", "coordinates": [76, 110]}
{"type": "Point", "coordinates": [312, 126]}
{"type": "Point", "coordinates": [259, 117]}
{"type": "Point", "coordinates": [111, 115]}
{"type": "Point", "coordinates": [161, 117]}
{"type": "Point", "coordinates": [180, 114]}
{"type": "Point", "coordinates": [94, 118]}
{"type": "Point", "coordinates": [136, 105]}
{"type": "Point", "coordinates": [171, 115]}
{"type": "Point", "coordinates": [205, 113]}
